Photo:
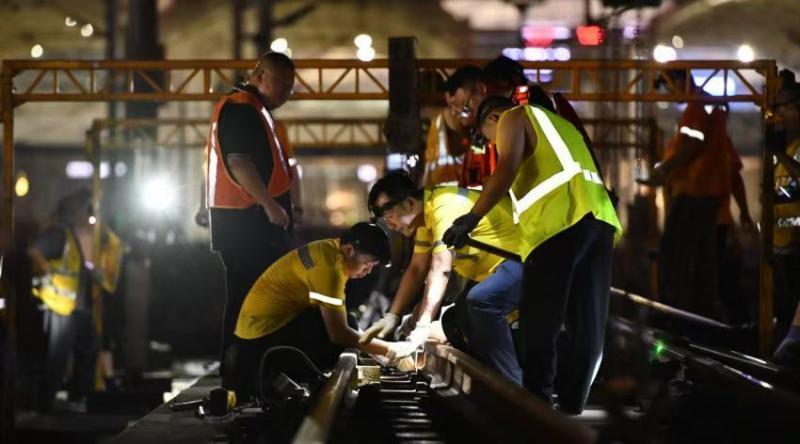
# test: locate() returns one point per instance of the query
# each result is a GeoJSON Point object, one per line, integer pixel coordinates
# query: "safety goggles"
{"type": "Point", "coordinates": [379, 210]}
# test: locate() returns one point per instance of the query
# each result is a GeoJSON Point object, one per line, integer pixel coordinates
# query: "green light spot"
{"type": "Point", "coordinates": [659, 348]}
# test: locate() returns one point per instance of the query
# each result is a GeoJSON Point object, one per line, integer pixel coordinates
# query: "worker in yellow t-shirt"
{"type": "Point", "coordinates": [426, 214]}
{"type": "Point", "coordinates": [299, 301]}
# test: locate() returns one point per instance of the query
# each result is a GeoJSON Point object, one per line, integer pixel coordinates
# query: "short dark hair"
{"type": "Point", "coordinates": [491, 104]}
{"type": "Point", "coordinates": [396, 185]}
{"type": "Point", "coordinates": [80, 199]}
{"type": "Point", "coordinates": [466, 77]}
{"type": "Point", "coordinates": [272, 59]}
{"type": "Point", "coordinates": [504, 72]}
{"type": "Point", "coordinates": [369, 239]}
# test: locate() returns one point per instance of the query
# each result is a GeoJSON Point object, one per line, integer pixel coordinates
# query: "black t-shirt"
{"type": "Point", "coordinates": [241, 131]}
{"type": "Point", "coordinates": [51, 243]}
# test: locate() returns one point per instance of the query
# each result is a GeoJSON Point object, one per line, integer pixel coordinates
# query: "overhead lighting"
{"type": "Point", "coordinates": [37, 51]}
{"type": "Point", "coordinates": [367, 173]}
{"type": "Point", "coordinates": [279, 45]}
{"type": "Point", "coordinates": [87, 30]}
{"type": "Point", "coordinates": [365, 54]}
{"type": "Point", "coordinates": [664, 53]}
{"type": "Point", "coordinates": [158, 194]}
{"type": "Point", "coordinates": [363, 41]}
{"type": "Point", "coordinates": [71, 22]}
{"type": "Point", "coordinates": [22, 186]}
{"type": "Point", "coordinates": [745, 54]}
{"type": "Point", "coordinates": [562, 54]}
{"type": "Point", "coordinates": [677, 41]}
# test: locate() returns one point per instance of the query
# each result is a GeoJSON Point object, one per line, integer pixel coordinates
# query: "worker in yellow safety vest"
{"type": "Point", "coordinates": [482, 314]}
{"type": "Point", "coordinates": [66, 273]}
{"type": "Point", "coordinates": [299, 301]}
{"type": "Point", "coordinates": [568, 225]}
{"type": "Point", "coordinates": [786, 240]}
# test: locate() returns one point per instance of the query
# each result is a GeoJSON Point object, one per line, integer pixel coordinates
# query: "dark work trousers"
{"type": "Point", "coordinates": [306, 332]}
{"type": "Point", "coordinates": [243, 265]}
{"type": "Point", "coordinates": [787, 292]}
{"type": "Point", "coordinates": [488, 304]}
{"type": "Point", "coordinates": [566, 282]}
{"type": "Point", "coordinates": [74, 337]}
{"type": "Point", "coordinates": [687, 269]}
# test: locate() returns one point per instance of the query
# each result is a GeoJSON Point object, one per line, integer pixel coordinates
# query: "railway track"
{"type": "Point", "coordinates": [451, 398]}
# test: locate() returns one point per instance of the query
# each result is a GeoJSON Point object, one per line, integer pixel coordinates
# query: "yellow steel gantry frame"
{"type": "Point", "coordinates": [25, 81]}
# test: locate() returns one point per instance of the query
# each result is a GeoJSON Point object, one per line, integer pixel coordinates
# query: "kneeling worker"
{"type": "Point", "coordinates": [426, 214]}
{"type": "Point", "coordinates": [299, 301]}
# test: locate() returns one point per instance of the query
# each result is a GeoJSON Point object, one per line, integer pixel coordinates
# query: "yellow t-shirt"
{"type": "Point", "coordinates": [310, 275]}
{"type": "Point", "coordinates": [442, 205]}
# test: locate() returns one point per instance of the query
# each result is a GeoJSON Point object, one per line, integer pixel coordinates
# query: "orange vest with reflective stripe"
{"type": "Point", "coordinates": [221, 189]}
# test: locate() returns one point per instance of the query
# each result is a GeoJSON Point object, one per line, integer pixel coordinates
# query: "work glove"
{"type": "Point", "coordinates": [382, 329]}
{"type": "Point", "coordinates": [400, 350]}
{"type": "Point", "coordinates": [420, 334]}
{"type": "Point", "coordinates": [458, 234]}
{"type": "Point", "coordinates": [407, 326]}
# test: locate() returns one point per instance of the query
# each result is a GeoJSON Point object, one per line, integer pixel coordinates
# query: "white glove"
{"type": "Point", "coordinates": [408, 324]}
{"type": "Point", "coordinates": [399, 350]}
{"type": "Point", "coordinates": [383, 328]}
{"type": "Point", "coordinates": [420, 334]}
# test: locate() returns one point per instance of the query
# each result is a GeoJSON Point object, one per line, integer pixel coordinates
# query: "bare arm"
{"type": "Point", "coordinates": [341, 334]}
{"type": "Point", "coordinates": [435, 284]}
{"type": "Point", "coordinates": [511, 134]}
{"type": "Point", "coordinates": [296, 193]}
{"type": "Point", "coordinates": [40, 265]}
{"type": "Point", "coordinates": [245, 173]}
{"type": "Point", "coordinates": [410, 283]}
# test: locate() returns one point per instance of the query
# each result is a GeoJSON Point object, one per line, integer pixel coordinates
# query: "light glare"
{"type": "Point", "coordinates": [664, 53]}
{"type": "Point", "coordinates": [745, 54]}
{"type": "Point", "coordinates": [37, 51]}
{"type": "Point", "coordinates": [363, 41]}
{"type": "Point", "coordinates": [279, 45]}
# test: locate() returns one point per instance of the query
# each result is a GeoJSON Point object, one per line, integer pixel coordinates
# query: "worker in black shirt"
{"type": "Point", "coordinates": [248, 182]}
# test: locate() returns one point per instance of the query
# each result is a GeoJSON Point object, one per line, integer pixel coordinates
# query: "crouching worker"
{"type": "Point", "coordinates": [426, 214]}
{"type": "Point", "coordinates": [299, 301]}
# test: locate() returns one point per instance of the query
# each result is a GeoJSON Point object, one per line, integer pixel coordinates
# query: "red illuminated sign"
{"type": "Point", "coordinates": [590, 35]}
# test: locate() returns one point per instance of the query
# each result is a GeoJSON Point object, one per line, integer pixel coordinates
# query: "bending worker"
{"type": "Point", "coordinates": [426, 214]}
{"type": "Point", "coordinates": [248, 182]}
{"type": "Point", "coordinates": [567, 225]}
{"type": "Point", "coordinates": [299, 301]}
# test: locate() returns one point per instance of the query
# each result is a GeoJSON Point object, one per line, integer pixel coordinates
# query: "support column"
{"type": "Point", "coordinates": [765, 287]}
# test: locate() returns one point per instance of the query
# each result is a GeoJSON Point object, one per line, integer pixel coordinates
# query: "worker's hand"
{"type": "Point", "coordinates": [276, 214]}
{"type": "Point", "coordinates": [420, 334]}
{"type": "Point", "coordinates": [656, 178]}
{"type": "Point", "coordinates": [407, 326]}
{"type": "Point", "coordinates": [382, 329]}
{"type": "Point", "coordinates": [399, 350]}
{"type": "Point", "coordinates": [458, 234]}
{"type": "Point", "coordinates": [747, 223]}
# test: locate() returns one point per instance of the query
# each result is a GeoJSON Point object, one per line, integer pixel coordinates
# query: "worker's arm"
{"type": "Point", "coordinates": [410, 285]}
{"type": "Point", "coordinates": [296, 193]}
{"type": "Point", "coordinates": [512, 130]}
{"type": "Point", "coordinates": [435, 284]}
{"type": "Point", "coordinates": [740, 196]}
{"type": "Point", "coordinates": [411, 282]}
{"type": "Point", "coordinates": [341, 334]}
{"type": "Point", "coordinates": [688, 147]}
{"type": "Point", "coordinates": [245, 173]}
{"type": "Point", "coordinates": [40, 265]}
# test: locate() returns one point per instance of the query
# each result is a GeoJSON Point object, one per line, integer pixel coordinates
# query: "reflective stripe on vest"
{"type": "Point", "coordinates": [569, 168]}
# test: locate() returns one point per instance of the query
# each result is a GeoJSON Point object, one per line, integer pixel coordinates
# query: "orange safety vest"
{"type": "Point", "coordinates": [222, 190]}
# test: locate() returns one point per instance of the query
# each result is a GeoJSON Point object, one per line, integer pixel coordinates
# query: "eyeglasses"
{"type": "Point", "coordinates": [379, 210]}
{"type": "Point", "coordinates": [465, 111]}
